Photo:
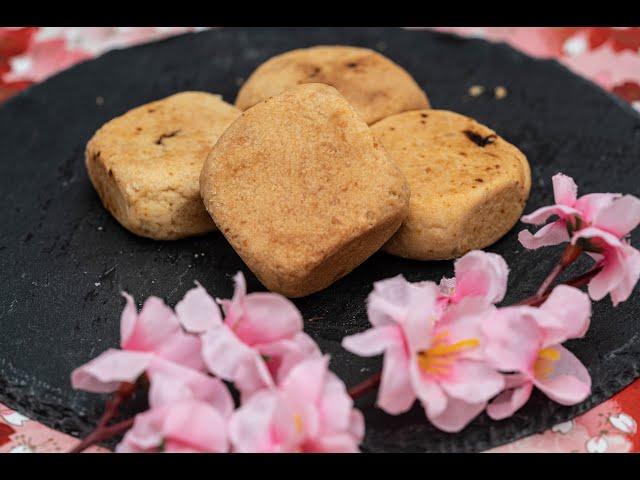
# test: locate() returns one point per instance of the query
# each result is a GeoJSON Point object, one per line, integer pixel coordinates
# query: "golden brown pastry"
{"type": "Point", "coordinates": [468, 185]}
{"type": "Point", "coordinates": [145, 164]}
{"type": "Point", "coordinates": [302, 190]}
{"type": "Point", "coordinates": [373, 84]}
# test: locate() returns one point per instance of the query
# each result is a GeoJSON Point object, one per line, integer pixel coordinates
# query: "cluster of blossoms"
{"type": "Point", "coordinates": [447, 345]}
{"type": "Point", "coordinates": [451, 348]}
{"type": "Point", "coordinates": [290, 401]}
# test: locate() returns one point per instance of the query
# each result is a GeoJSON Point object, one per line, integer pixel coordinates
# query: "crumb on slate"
{"type": "Point", "coordinates": [500, 92]}
{"type": "Point", "coordinates": [99, 101]}
{"type": "Point", "coordinates": [476, 90]}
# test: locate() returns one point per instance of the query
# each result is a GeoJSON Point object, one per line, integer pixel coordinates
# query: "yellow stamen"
{"type": "Point", "coordinates": [437, 360]}
{"type": "Point", "coordinates": [549, 354]}
{"type": "Point", "coordinates": [297, 421]}
{"type": "Point", "coordinates": [453, 348]}
{"type": "Point", "coordinates": [544, 363]}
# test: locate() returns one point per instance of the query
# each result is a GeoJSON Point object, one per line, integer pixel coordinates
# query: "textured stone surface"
{"type": "Point", "coordinates": [63, 259]}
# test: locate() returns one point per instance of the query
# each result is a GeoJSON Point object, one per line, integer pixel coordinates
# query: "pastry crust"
{"type": "Point", "coordinates": [373, 84]}
{"type": "Point", "coordinates": [468, 185]}
{"type": "Point", "coordinates": [145, 165]}
{"type": "Point", "coordinates": [302, 190]}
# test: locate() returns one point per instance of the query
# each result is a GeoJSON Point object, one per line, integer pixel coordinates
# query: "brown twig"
{"type": "Point", "coordinates": [102, 431]}
{"type": "Point", "coordinates": [570, 255]}
{"type": "Point", "coordinates": [363, 387]}
{"type": "Point", "coordinates": [102, 434]}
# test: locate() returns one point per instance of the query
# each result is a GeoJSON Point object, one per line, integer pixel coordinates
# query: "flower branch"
{"type": "Point", "coordinates": [448, 346]}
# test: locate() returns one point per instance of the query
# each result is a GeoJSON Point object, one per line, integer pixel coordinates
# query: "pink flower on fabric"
{"type": "Point", "coordinates": [526, 342]}
{"type": "Point", "coordinates": [433, 356]}
{"type": "Point", "coordinates": [620, 264]}
{"type": "Point", "coordinates": [186, 415]}
{"type": "Point", "coordinates": [150, 340]}
{"type": "Point", "coordinates": [477, 273]}
{"type": "Point", "coordinates": [309, 411]}
{"type": "Point", "coordinates": [258, 342]}
{"type": "Point", "coordinates": [610, 212]}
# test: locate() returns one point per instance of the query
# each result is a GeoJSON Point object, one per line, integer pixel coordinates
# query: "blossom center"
{"type": "Point", "coordinates": [438, 359]}
{"type": "Point", "coordinates": [543, 366]}
{"type": "Point", "coordinates": [297, 422]}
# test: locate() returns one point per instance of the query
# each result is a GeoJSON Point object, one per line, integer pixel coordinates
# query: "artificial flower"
{"type": "Point", "coordinates": [525, 343]}
{"type": "Point", "coordinates": [309, 411]}
{"type": "Point", "coordinates": [477, 273]}
{"type": "Point", "coordinates": [610, 212]}
{"type": "Point", "coordinates": [619, 262]}
{"type": "Point", "coordinates": [182, 419]}
{"type": "Point", "coordinates": [431, 355]}
{"type": "Point", "coordinates": [259, 340]}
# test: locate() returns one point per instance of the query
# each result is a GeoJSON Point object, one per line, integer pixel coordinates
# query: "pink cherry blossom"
{"type": "Point", "coordinates": [526, 342]}
{"type": "Point", "coordinates": [611, 212]}
{"type": "Point", "coordinates": [620, 264]}
{"type": "Point", "coordinates": [182, 418]}
{"type": "Point", "coordinates": [477, 273]}
{"type": "Point", "coordinates": [309, 411]}
{"type": "Point", "coordinates": [430, 355]}
{"type": "Point", "coordinates": [152, 339]}
{"type": "Point", "coordinates": [259, 341]}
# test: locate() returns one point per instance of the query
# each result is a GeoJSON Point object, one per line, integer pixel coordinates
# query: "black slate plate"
{"type": "Point", "coordinates": [64, 259]}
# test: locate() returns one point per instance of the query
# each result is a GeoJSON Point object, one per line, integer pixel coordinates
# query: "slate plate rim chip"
{"type": "Point", "coordinates": [76, 412]}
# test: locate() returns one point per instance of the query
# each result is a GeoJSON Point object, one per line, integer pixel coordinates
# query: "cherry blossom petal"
{"type": "Point", "coordinates": [128, 319]}
{"type": "Point", "coordinates": [339, 443]}
{"type": "Point", "coordinates": [565, 190]}
{"type": "Point", "coordinates": [166, 390]}
{"type": "Point", "coordinates": [197, 426]}
{"type": "Point", "coordinates": [422, 313]}
{"type": "Point", "coordinates": [268, 317]}
{"type": "Point", "coordinates": [106, 372]}
{"type": "Point", "coordinates": [356, 425]}
{"type": "Point", "coordinates": [233, 308]}
{"type": "Point", "coordinates": [198, 311]}
{"type": "Point", "coordinates": [373, 341]}
{"type": "Point", "coordinates": [569, 382]}
{"type": "Point", "coordinates": [472, 381]}
{"type": "Point", "coordinates": [335, 406]}
{"type": "Point", "coordinates": [182, 348]}
{"type": "Point", "coordinates": [430, 394]}
{"type": "Point", "coordinates": [631, 265]}
{"type": "Point", "coordinates": [190, 426]}
{"type": "Point", "coordinates": [589, 205]}
{"type": "Point", "coordinates": [619, 217]}
{"type": "Point", "coordinates": [285, 354]}
{"type": "Point", "coordinates": [510, 401]}
{"type": "Point", "coordinates": [223, 352]}
{"type": "Point", "coordinates": [513, 338]}
{"type": "Point", "coordinates": [181, 383]}
{"type": "Point", "coordinates": [620, 265]}
{"type": "Point", "coordinates": [457, 415]}
{"type": "Point", "coordinates": [570, 313]}
{"type": "Point", "coordinates": [306, 381]}
{"type": "Point", "coordinates": [155, 324]}
{"type": "Point", "coordinates": [252, 376]}
{"type": "Point", "coordinates": [552, 234]}
{"type": "Point", "coordinates": [543, 214]}
{"type": "Point", "coordinates": [396, 394]}
{"type": "Point", "coordinates": [388, 301]}
{"type": "Point", "coordinates": [250, 425]}
{"type": "Point", "coordinates": [463, 321]}
{"type": "Point", "coordinates": [481, 274]}
{"type": "Point", "coordinates": [146, 433]}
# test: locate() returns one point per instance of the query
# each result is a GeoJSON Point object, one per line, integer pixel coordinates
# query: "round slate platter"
{"type": "Point", "coordinates": [63, 259]}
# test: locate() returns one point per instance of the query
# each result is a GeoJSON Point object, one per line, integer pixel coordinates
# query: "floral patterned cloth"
{"type": "Point", "coordinates": [608, 56]}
